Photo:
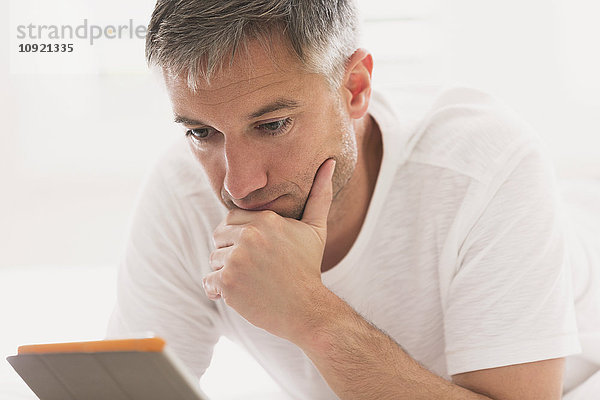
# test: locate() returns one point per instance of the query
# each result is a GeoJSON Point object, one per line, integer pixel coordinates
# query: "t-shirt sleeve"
{"type": "Point", "coordinates": [159, 285]}
{"type": "Point", "coordinates": [510, 298]}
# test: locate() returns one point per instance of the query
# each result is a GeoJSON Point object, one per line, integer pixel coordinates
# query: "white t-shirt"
{"type": "Point", "coordinates": [462, 257]}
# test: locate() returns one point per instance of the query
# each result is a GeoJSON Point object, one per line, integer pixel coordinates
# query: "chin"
{"type": "Point", "coordinates": [294, 211]}
{"type": "Point", "coordinates": [289, 213]}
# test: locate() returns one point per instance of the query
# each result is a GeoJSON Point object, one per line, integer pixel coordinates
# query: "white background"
{"type": "Point", "coordinates": [79, 132]}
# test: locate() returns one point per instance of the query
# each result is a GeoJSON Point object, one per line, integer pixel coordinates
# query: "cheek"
{"type": "Point", "coordinates": [346, 155]}
{"type": "Point", "coordinates": [305, 157]}
{"type": "Point", "coordinates": [313, 141]}
{"type": "Point", "coordinates": [318, 142]}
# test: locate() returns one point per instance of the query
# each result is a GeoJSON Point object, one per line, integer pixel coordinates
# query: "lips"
{"type": "Point", "coordinates": [257, 206]}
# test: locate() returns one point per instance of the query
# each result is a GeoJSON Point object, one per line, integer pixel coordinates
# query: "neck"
{"type": "Point", "coordinates": [349, 209]}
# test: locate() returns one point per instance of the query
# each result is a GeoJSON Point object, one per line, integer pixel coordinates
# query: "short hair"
{"type": "Point", "coordinates": [196, 37]}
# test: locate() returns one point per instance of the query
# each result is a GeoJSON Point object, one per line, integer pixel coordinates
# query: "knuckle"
{"type": "Point", "coordinates": [270, 216]}
{"type": "Point", "coordinates": [249, 233]}
{"type": "Point", "coordinates": [209, 286]}
{"type": "Point", "coordinates": [228, 279]}
{"type": "Point", "coordinates": [214, 260]}
{"type": "Point", "coordinates": [217, 234]}
{"type": "Point", "coordinates": [235, 257]}
{"type": "Point", "coordinates": [231, 215]}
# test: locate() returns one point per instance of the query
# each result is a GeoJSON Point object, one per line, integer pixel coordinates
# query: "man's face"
{"type": "Point", "coordinates": [261, 131]}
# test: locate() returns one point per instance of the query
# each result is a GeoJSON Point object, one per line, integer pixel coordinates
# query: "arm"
{"type": "Point", "coordinates": [520, 283]}
{"type": "Point", "coordinates": [358, 361]}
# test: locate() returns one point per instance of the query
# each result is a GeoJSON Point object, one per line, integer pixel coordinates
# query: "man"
{"type": "Point", "coordinates": [353, 255]}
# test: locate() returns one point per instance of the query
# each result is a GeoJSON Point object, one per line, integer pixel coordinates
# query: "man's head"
{"type": "Point", "coordinates": [196, 37]}
{"type": "Point", "coordinates": [260, 112]}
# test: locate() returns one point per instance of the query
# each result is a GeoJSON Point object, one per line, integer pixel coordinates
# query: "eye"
{"type": "Point", "coordinates": [200, 134]}
{"type": "Point", "coordinates": [275, 128]}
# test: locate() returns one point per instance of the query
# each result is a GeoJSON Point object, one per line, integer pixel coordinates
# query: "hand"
{"type": "Point", "coordinates": [268, 267]}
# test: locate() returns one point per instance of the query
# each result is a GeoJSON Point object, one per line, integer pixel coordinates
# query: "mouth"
{"type": "Point", "coordinates": [257, 206]}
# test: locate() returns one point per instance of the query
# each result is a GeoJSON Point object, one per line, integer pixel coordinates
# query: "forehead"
{"type": "Point", "coordinates": [253, 75]}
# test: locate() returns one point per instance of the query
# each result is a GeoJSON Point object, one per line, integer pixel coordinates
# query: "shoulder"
{"type": "Point", "coordinates": [471, 133]}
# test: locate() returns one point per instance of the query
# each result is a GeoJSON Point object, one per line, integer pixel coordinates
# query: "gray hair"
{"type": "Point", "coordinates": [195, 37]}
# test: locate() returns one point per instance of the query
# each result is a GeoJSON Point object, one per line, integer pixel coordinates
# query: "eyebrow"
{"type": "Point", "coordinates": [279, 104]}
{"type": "Point", "coordinates": [187, 121]}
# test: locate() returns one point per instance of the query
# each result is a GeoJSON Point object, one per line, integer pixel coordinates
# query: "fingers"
{"type": "Point", "coordinates": [230, 231]}
{"type": "Point", "coordinates": [226, 235]}
{"type": "Point", "coordinates": [220, 260]}
{"type": "Point", "coordinates": [217, 258]}
{"type": "Point", "coordinates": [237, 216]}
{"type": "Point", "coordinates": [213, 282]}
{"type": "Point", "coordinates": [212, 285]}
{"type": "Point", "coordinates": [320, 196]}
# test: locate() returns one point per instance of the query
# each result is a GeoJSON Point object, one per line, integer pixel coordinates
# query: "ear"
{"type": "Point", "coordinates": [356, 86]}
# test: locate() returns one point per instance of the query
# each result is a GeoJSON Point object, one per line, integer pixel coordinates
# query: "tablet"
{"type": "Point", "coordinates": [119, 369]}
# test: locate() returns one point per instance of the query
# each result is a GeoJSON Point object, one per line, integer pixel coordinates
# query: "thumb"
{"type": "Point", "coordinates": [319, 200]}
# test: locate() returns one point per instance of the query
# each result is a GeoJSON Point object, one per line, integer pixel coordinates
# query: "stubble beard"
{"type": "Point", "coordinates": [346, 159]}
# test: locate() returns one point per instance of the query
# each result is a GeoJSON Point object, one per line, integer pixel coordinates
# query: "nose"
{"type": "Point", "coordinates": [244, 170]}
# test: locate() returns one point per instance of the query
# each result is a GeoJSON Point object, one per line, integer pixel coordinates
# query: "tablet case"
{"type": "Point", "coordinates": [126, 369]}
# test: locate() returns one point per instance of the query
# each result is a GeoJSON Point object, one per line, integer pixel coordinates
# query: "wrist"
{"type": "Point", "coordinates": [322, 314]}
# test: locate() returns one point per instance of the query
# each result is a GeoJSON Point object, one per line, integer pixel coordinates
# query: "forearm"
{"type": "Point", "coordinates": [358, 361]}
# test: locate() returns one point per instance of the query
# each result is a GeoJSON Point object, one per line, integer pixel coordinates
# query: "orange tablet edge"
{"type": "Point", "coordinates": [154, 344]}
